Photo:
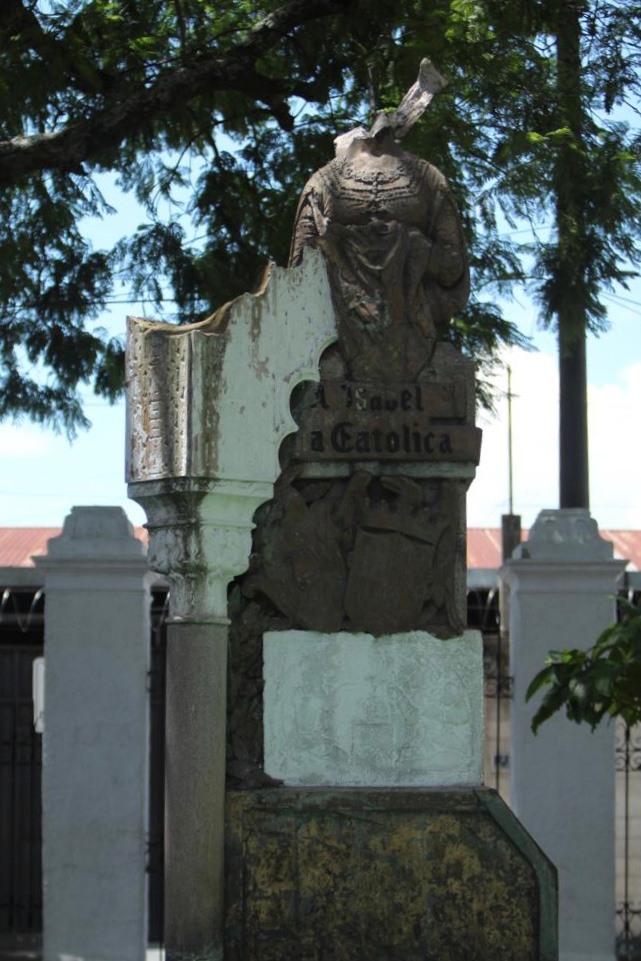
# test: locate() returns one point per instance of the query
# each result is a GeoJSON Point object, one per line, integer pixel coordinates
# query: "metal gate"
{"type": "Point", "coordinates": [155, 836]}
{"type": "Point", "coordinates": [628, 837]}
{"type": "Point", "coordinates": [484, 615]}
{"type": "Point", "coordinates": [21, 640]}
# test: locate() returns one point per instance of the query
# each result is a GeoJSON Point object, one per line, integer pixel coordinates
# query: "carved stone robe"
{"type": "Point", "coordinates": [391, 233]}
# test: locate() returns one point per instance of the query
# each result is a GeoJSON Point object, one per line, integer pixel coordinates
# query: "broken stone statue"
{"type": "Point", "coordinates": [303, 457]}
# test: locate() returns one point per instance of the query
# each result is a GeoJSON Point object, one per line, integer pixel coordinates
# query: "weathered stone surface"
{"type": "Point", "coordinates": [351, 709]}
{"type": "Point", "coordinates": [248, 622]}
{"type": "Point", "coordinates": [351, 546]}
{"type": "Point", "coordinates": [212, 400]}
{"type": "Point", "coordinates": [351, 553]}
{"type": "Point", "coordinates": [363, 553]}
{"type": "Point", "coordinates": [391, 233]}
{"type": "Point", "coordinates": [194, 791]}
{"type": "Point", "coordinates": [212, 414]}
{"type": "Point", "coordinates": [384, 875]}
{"type": "Point", "coordinates": [389, 228]}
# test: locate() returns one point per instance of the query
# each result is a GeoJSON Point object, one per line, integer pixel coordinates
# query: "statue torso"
{"type": "Point", "coordinates": [400, 188]}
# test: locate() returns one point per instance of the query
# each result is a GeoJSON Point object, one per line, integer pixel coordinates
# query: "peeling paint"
{"type": "Point", "coordinates": [211, 399]}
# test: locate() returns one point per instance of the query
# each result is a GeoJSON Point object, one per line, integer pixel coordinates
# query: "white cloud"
{"type": "Point", "coordinates": [615, 450]}
{"type": "Point", "coordinates": [25, 440]}
{"type": "Point", "coordinates": [615, 457]}
{"type": "Point", "coordinates": [534, 445]}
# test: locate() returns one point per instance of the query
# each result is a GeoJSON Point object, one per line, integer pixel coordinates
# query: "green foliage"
{"type": "Point", "coordinates": [602, 682]}
{"type": "Point", "coordinates": [213, 114]}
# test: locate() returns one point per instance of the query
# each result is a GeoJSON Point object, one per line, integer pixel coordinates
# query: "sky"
{"type": "Point", "coordinates": [614, 403]}
{"type": "Point", "coordinates": [45, 474]}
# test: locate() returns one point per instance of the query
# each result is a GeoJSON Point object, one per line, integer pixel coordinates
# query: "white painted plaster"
{"type": "Point", "coordinates": [207, 408]}
{"type": "Point", "coordinates": [213, 400]}
{"type": "Point", "coordinates": [95, 739]}
{"type": "Point", "coordinates": [352, 709]}
{"type": "Point", "coordinates": [562, 780]}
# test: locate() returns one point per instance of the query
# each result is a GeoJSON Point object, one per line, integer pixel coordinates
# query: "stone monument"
{"type": "Point", "coordinates": [303, 457]}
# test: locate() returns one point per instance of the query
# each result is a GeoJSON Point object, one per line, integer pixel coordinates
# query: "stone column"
{"type": "Point", "coordinates": [561, 584]}
{"type": "Point", "coordinates": [95, 779]}
{"type": "Point", "coordinates": [200, 537]}
{"type": "Point", "coordinates": [208, 408]}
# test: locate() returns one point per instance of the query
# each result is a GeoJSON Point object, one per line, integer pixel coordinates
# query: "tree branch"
{"type": "Point", "coordinates": [17, 19]}
{"type": "Point", "coordinates": [106, 127]}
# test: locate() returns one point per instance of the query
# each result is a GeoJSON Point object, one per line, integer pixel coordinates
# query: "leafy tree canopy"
{"type": "Point", "coordinates": [602, 682]}
{"type": "Point", "coordinates": [217, 112]}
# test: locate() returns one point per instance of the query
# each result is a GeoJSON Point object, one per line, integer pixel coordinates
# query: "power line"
{"type": "Point", "coordinates": [619, 298]}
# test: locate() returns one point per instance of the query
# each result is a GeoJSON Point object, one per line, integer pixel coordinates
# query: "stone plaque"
{"type": "Point", "coordinates": [357, 421]}
{"type": "Point", "coordinates": [405, 709]}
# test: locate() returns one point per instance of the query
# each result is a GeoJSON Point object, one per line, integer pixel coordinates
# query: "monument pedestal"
{"type": "Point", "coordinates": [381, 843]}
{"type": "Point", "coordinates": [399, 873]}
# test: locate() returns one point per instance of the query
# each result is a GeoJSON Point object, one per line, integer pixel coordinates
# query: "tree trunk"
{"type": "Point", "coordinates": [574, 485]}
{"type": "Point", "coordinates": [571, 312]}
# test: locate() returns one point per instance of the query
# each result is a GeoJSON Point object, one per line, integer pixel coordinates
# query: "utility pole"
{"type": "Point", "coordinates": [511, 522]}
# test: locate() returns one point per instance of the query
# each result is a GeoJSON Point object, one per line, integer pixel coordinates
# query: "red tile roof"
{"type": "Point", "coordinates": [627, 546]}
{"type": "Point", "coordinates": [484, 546]}
{"type": "Point", "coordinates": [19, 544]}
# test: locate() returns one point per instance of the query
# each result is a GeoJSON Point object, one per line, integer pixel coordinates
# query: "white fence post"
{"type": "Point", "coordinates": [562, 583]}
{"type": "Point", "coordinates": [97, 631]}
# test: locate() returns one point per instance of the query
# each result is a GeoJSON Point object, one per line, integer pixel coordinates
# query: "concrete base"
{"type": "Point", "coordinates": [356, 710]}
{"type": "Point", "coordinates": [387, 875]}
